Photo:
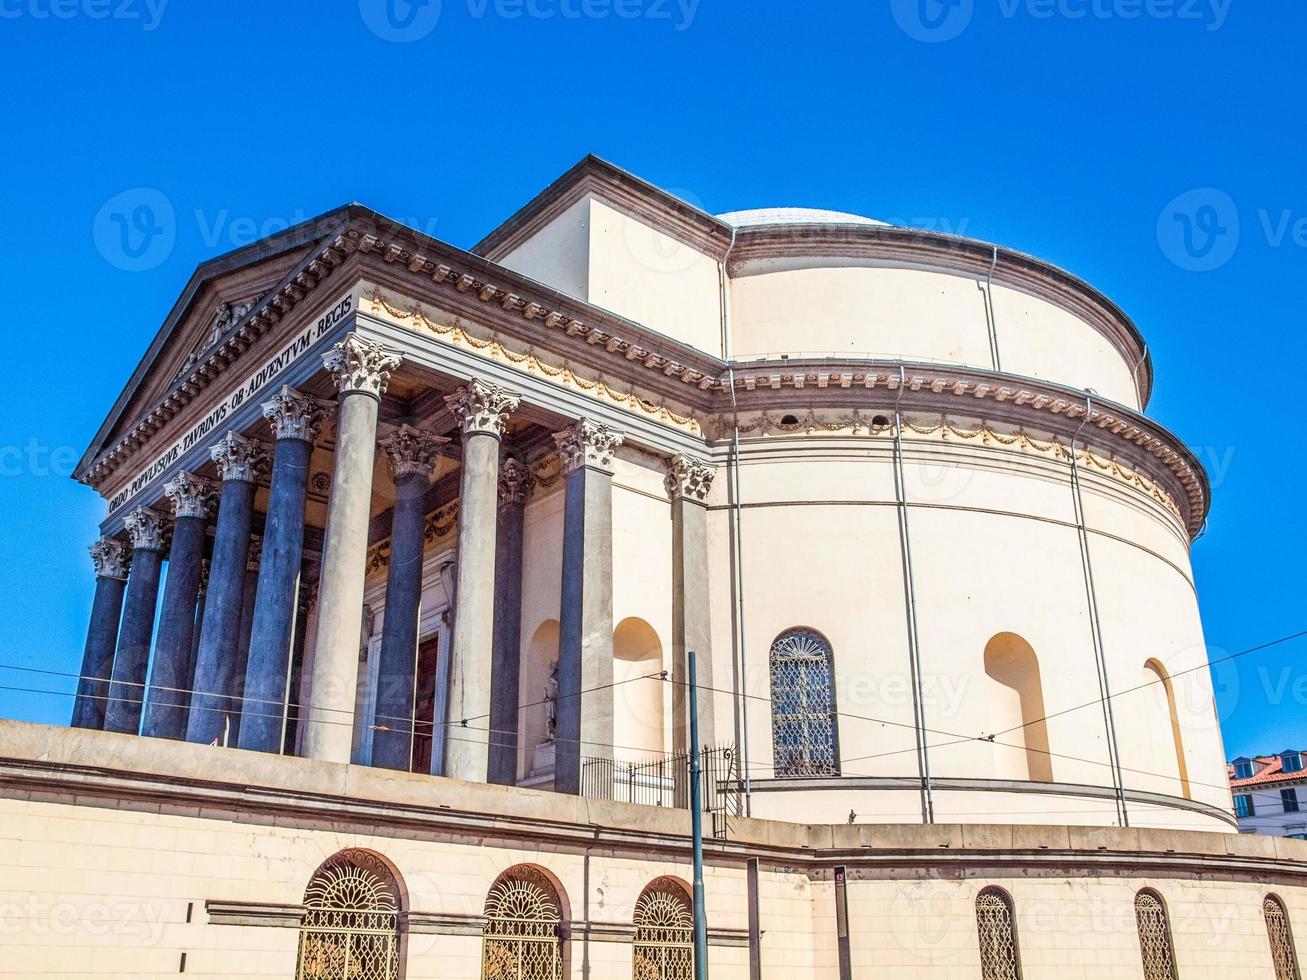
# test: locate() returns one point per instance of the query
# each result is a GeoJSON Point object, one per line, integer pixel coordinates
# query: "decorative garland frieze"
{"type": "Point", "coordinates": [439, 524]}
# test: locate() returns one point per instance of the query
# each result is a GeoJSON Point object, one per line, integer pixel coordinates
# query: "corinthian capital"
{"type": "Point", "coordinates": [110, 558]}
{"type": "Point", "coordinates": [515, 482]}
{"type": "Point", "coordinates": [239, 457]}
{"type": "Point", "coordinates": [689, 477]}
{"type": "Point", "coordinates": [482, 407]}
{"type": "Point", "coordinates": [146, 528]}
{"type": "Point", "coordinates": [293, 414]}
{"type": "Point", "coordinates": [360, 365]}
{"type": "Point", "coordinates": [190, 496]}
{"type": "Point", "coordinates": [588, 443]}
{"type": "Point", "coordinates": [412, 450]}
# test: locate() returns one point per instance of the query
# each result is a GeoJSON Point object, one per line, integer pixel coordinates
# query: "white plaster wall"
{"type": "Point", "coordinates": [558, 254]}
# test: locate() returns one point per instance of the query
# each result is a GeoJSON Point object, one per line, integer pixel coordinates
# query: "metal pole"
{"type": "Point", "coordinates": [696, 823]}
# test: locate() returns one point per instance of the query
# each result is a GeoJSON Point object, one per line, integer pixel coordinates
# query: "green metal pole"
{"type": "Point", "coordinates": [696, 822]}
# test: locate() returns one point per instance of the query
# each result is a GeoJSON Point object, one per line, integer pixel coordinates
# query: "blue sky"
{"type": "Point", "coordinates": [1072, 129]}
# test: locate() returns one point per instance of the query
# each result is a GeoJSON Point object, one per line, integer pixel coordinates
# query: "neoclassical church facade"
{"type": "Point", "coordinates": [406, 548]}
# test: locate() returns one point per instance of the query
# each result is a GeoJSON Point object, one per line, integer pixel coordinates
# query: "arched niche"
{"type": "Point", "coordinates": [1016, 709]}
{"type": "Point", "coordinates": [638, 700]}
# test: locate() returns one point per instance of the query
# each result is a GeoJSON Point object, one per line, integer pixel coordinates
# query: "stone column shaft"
{"type": "Point", "coordinates": [127, 687]}
{"type": "Point", "coordinates": [361, 370]}
{"type": "Point", "coordinates": [688, 483]}
{"type": "Point", "coordinates": [102, 635]}
{"type": "Point", "coordinates": [585, 654]}
{"type": "Point", "coordinates": [482, 410]}
{"type": "Point", "coordinates": [506, 672]}
{"type": "Point", "coordinates": [170, 680]}
{"type": "Point", "coordinates": [412, 454]}
{"type": "Point", "coordinates": [247, 621]}
{"type": "Point", "coordinates": [217, 695]}
{"type": "Point", "coordinates": [295, 419]}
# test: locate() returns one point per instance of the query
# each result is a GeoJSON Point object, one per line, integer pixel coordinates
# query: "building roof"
{"type": "Point", "coordinates": [795, 216]}
{"type": "Point", "coordinates": [1270, 770]}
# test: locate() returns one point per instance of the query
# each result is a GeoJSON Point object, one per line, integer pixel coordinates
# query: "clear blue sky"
{"type": "Point", "coordinates": [1066, 128]}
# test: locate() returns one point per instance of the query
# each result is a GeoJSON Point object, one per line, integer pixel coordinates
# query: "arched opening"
{"type": "Point", "coordinates": [804, 735]}
{"type": "Point", "coordinates": [997, 931]}
{"type": "Point", "coordinates": [1283, 955]}
{"type": "Point", "coordinates": [1154, 936]}
{"type": "Point", "coordinates": [1016, 707]}
{"type": "Point", "coordinates": [664, 932]}
{"type": "Point", "coordinates": [638, 718]}
{"type": "Point", "coordinates": [538, 692]}
{"type": "Point", "coordinates": [1159, 673]}
{"type": "Point", "coordinates": [523, 932]}
{"type": "Point", "coordinates": [350, 929]}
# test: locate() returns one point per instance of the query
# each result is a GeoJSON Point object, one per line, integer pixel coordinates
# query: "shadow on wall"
{"type": "Point", "coordinates": [1017, 702]}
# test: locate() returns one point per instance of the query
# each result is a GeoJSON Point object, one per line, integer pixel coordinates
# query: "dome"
{"type": "Point", "coordinates": [795, 216]}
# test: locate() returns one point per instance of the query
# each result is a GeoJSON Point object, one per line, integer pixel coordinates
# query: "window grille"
{"type": "Point", "coordinates": [350, 929]}
{"type": "Point", "coordinates": [998, 936]}
{"type": "Point", "coordinates": [1277, 930]}
{"type": "Point", "coordinates": [804, 737]}
{"type": "Point", "coordinates": [664, 933]}
{"type": "Point", "coordinates": [523, 931]}
{"type": "Point", "coordinates": [1154, 937]}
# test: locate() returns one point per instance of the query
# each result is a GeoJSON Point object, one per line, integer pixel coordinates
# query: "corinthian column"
{"type": "Point", "coordinates": [217, 696]}
{"type": "Point", "coordinates": [127, 688]}
{"type": "Point", "coordinates": [514, 488]}
{"type": "Point", "coordinates": [110, 558]}
{"type": "Point", "coordinates": [361, 370]}
{"type": "Point", "coordinates": [170, 680]}
{"type": "Point", "coordinates": [688, 482]}
{"type": "Point", "coordinates": [412, 454]}
{"type": "Point", "coordinates": [295, 419]}
{"type": "Point", "coordinates": [482, 411]}
{"type": "Point", "coordinates": [585, 622]}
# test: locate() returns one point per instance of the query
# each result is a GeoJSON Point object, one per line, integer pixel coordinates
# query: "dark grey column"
{"type": "Point", "coordinates": [247, 621]}
{"type": "Point", "coordinates": [127, 686]}
{"type": "Point", "coordinates": [585, 627]}
{"type": "Point", "coordinates": [217, 687]}
{"type": "Point", "coordinates": [361, 370]}
{"type": "Point", "coordinates": [110, 558]}
{"type": "Point", "coordinates": [199, 620]}
{"type": "Point", "coordinates": [506, 671]}
{"type": "Point", "coordinates": [170, 680]}
{"type": "Point", "coordinates": [412, 454]}
{"type": "Point", "coordinates": [688, 483]}
{"type": "Point", "coordinates": [482, 411]}
{"type": "Point", "coordinates": [295, 419]}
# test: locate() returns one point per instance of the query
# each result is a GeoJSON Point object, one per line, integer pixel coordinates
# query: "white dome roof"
{"type": "Point", "coordinates": [795, 216]}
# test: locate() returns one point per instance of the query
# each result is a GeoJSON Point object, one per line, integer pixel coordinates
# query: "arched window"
{"type": "Point", "coordinates": [804, 739]}
{"type": "Point", "coordinates": [351, 921]}
{"type": "Point", "coordinates": [1154, 936]}
{"type": "Point", "coordinates": [664, 933]}
{"type": "Point", "coordinates": [523, 937]}
{"type": "Point", "coordinates": [1277, 930]}
{"type": "Point", "coordinates": [996, 926]}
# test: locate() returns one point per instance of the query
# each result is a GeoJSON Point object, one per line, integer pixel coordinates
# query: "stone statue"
{"type": "Point", "coordinates": [551, 703]}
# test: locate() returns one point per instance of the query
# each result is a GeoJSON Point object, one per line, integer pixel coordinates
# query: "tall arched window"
{"type": "Point", "coordinates": [1154, 936]}
{"type": "Point", "coordinates": [804, 741]}
{"type": "Point", "coordinates": [664, 933]}
{"type": "Point", "coordinates": [1277, 930]}
{"type": "Point", "coordinates": [523, 935]}
{"type": "Point", "coordinates": [996, 926]}
{"type": "Point", "coordinates": [351, 921]}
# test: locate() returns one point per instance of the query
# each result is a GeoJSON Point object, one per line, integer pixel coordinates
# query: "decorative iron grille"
{"type": "Point", "coordinates": [664, 933]}
{"type": "Point", "coordinates": [1154, 937]}
{"type": "Point", "coordinates": [1277, 930]}
{"type": "Point", "coordinates": [522, 939]}
{"type": "Point", "coordinates": [998, 937]}
{"type": "Point", "coordinates": [351, 921]}
{"type": "Point", "coordinates": [803, 705]}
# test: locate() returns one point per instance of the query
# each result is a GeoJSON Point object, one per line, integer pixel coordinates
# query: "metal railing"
{"type": "Point", "coordinates": [664, 780]}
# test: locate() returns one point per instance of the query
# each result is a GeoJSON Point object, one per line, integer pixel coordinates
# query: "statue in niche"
{"type": "Point", "coordinates": [551, 703]}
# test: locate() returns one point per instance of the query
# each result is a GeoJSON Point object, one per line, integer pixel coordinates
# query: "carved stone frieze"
{"type": "Point", "coordinates": [689, 477]}
{"type": "Point", "coordinates": [515, 481]}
